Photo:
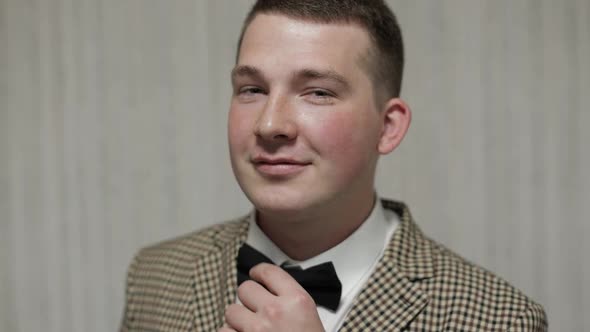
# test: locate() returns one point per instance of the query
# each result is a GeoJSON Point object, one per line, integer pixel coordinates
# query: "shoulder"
{"type": "Point", "coordinates": [181, 252]}
{"type": "Point", "coordinates": [462, 296]}
{"type": "Point", "coordinates": [472, 296]}
{"type": "Point", "coordinates": [172, 262]}
{"type": "Point", "coordinates": [160, 285]}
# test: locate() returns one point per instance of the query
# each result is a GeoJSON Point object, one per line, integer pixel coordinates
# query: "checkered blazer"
{"type": "Point", "coordinates": [186, 283]}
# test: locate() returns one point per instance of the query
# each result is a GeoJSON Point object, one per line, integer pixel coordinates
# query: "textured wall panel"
{"type": "Point", "coordinates": [112, 136]}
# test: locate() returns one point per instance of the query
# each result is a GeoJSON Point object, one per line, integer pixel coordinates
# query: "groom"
{"type": "Point", "coordinates": [315, 103]}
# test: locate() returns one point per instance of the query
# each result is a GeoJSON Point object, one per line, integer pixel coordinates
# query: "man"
{"type": "Point", "coordinates": [315, 103]}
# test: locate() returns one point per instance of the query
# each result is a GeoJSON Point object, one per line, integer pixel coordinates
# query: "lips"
{"type": "Point", "coordinates": [279, 166]}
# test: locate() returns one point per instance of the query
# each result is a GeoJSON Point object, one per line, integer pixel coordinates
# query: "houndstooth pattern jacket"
{"type": "Point", "coordinates": [186, 283]}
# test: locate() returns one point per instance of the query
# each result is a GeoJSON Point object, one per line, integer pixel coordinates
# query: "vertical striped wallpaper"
{"type": "Point", "coordinates": [112, 136]}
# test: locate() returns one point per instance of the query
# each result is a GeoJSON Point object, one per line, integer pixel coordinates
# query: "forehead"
{"type": "Point", "coordinates": [275, 41]}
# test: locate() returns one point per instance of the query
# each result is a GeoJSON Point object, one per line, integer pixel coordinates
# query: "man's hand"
{"type": "Point", "coordinates": [284, 307]}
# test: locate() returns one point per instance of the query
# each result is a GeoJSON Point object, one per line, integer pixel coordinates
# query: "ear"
{"type": "Point", "coordinates": [396, 117]}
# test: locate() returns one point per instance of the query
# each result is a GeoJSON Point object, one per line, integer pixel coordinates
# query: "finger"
{"type": "Point", "coordinates": [253, 295]}
{"type": "Point", "coordinates": [276, 280]}
{"type": "Point", "coordinates": [239, 317]}
{"type": "Point", "coordinates": [226, 328]}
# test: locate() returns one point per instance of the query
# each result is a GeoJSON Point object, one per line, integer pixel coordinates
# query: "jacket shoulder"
{"type": "Point", "coordinates": [475, 299]}
{"type": "Point", "coordinates": [178, 256]}
{"type": "Point", "coordinates": [160, 279]}
{"type": "Point", "coordinates": [193, 245]}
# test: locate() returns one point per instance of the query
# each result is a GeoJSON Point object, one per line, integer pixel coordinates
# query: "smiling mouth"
{"type": "Point", "coordinates": [279, 167]}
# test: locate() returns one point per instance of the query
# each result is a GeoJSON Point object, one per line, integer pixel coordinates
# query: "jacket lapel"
{"type": "Point", "coordinates": [392, 297]}
{"type": "Point", "coordinates": [215, 276]}
{"type": "Point", "coordinates": [389, 301]}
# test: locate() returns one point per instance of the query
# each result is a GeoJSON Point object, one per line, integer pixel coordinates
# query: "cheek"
{"type": "Point", "coordinates": [238, 128]}
{"type": "Point", "coordinates": [343, 138]}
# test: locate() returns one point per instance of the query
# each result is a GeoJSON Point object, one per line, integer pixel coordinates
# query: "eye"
{"type": "Point", "coordinates": [321, 93]}
{"type": "Point", "coordinates": [250, 90]}
{"type": "Point", "coordinates": [320, 96]}
{"type": "Point", "coordinates": [249, 93]}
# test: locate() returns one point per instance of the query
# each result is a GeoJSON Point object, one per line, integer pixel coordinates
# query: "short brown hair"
{"type": "Point", "coordinates": [386, 58]}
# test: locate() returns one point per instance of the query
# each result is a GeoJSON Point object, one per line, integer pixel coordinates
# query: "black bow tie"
{"type": "Point", "coordinates": [320, 281]}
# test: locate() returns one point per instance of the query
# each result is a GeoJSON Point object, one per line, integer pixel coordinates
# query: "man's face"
{"type": "Point", "coordinates": [303, 125]}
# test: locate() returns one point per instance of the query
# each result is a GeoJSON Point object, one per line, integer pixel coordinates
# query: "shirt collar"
{"type": "Point", "coordinates": [367, 243]}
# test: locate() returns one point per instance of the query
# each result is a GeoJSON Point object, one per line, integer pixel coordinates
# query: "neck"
{"type": "Point", "coordinates": [305, 236]}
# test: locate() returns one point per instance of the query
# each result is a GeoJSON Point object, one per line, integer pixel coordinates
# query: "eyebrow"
{"type": "Point", "coordinates": [246, 71]}
{"type": "Point", "coordinates": [303, 74]}
{"type": "Point", "coordinates": [329, 75]}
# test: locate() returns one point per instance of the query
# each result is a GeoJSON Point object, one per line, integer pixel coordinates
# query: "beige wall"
{"type": "Point", "coordinates": [112, 136]}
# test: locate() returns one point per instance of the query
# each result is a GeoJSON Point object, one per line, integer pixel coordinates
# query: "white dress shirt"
{"type": "Point", "coordinates": [354, 258]}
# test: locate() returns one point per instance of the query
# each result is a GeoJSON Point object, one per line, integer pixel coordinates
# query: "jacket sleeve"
{"type": "Point", "coordinates": [533, 319]}
{"type": "Point", "coordinates": [129, 298]}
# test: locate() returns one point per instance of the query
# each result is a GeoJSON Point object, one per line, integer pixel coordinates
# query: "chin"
{"type": "Point", "coordinates": [276, 204]}
{"type": "Point", "coordinates": [282, 203]}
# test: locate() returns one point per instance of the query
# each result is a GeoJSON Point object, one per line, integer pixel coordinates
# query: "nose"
{"type": "Point", "coordinates": [275, 122]}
